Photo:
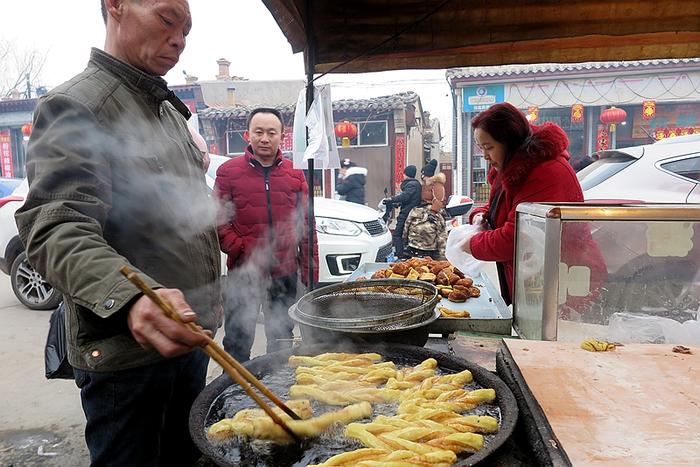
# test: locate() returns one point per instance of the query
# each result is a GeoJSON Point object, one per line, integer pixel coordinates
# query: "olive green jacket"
{"type": "Point", "coordinates": [115, 179]}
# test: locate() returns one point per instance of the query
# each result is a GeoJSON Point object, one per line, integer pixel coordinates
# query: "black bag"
{"type": "Point", "coordinates": [56, 351]}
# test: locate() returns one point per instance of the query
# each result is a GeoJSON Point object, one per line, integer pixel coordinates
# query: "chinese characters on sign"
{"type": "Point", "coordinates": [6, 154]}
{"type": "Point", "coordinates": [577, 113]}
{"type": "Point", "coordinates": [400, 160]}
{"type": "Point", "coordinates": [478, 98]}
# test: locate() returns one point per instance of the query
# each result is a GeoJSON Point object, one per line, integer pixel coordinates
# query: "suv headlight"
{"type": "Point", "coordinates": [330, 226]}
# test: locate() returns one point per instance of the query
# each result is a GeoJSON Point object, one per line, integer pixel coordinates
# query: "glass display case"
{"type": "Point", "coordinates": [577, 265]}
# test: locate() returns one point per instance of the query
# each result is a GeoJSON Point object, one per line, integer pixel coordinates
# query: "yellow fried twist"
{"type": "Point", "coordinates": [594, 345]}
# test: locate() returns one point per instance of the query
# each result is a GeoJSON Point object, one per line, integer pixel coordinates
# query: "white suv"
{"type": "Point", "coordinates": [667, 171]}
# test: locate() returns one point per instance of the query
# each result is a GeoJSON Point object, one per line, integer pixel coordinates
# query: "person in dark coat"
{"type": "Point", "coordinates": [408, 199]}
{"type": "Point", "coordinates": [352, 182]}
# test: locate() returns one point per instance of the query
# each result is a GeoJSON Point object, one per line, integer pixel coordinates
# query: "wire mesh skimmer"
{"type": "Point", "coordinates": [368, 305]}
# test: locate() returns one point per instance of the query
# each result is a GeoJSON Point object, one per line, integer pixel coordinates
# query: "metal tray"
{"type": "Point", "coordinates": [489, 312]}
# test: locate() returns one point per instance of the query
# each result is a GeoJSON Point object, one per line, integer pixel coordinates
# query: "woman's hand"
{"type": "Point", "coordinates": [479, 219]}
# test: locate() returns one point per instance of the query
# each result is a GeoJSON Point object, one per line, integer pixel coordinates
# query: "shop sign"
{"type": "Point", "coordinates": [6, 154]}
{"type": "Point", "coordinates": [399, 160]}
{"type": "Point", "coordinates": [478, 98]}
{"type": "Point", "coordinates": [577, 113]}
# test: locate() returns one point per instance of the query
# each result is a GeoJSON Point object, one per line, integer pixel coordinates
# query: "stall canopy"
{"type": "Point", "coordinates": [376, 35]}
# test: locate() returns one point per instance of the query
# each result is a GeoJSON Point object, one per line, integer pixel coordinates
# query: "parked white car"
{"type": "Point", "coordinates": [30, 288]}
{"type": "Point", "coordinates": [348, 234]}
{"type": "Point", "coordinates": [667, 171]}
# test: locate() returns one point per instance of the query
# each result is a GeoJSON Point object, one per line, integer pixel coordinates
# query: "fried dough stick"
{"type": "Point", "coordinates": [344, 397]}
{"type": "Point", "coordinates": [265, 428]}
{"type": "Point", "coordinates": [325, 359]}
{"type": "Point", "coordinates": [380, 457]}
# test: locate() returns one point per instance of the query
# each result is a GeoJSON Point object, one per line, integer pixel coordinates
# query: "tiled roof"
{"type": "Point", "coordinates": [552, 68]}
{"type": "Point", "coordinates": [375, 104]}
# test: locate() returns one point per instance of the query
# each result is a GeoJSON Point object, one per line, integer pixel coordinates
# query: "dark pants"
{"type": "Point", "coordinates": [140, 417]}
{"type": "Point", "coordinates": [397, 238]}
{"type": "Point", "coordinates": [245, 295]}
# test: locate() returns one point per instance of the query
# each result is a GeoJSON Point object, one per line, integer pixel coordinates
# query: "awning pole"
{"type": "Point", "coordinates": [310, 65]}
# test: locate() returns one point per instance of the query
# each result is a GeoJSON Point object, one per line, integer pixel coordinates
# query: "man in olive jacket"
{"type": "Point", "coordinates": [115, 179]}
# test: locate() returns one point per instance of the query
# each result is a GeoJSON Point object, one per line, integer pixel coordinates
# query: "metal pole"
{"type": "Point", "coordinates": [310, 65]}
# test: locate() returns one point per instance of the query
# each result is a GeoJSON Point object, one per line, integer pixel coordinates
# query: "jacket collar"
{"type": "Point", "coordinates": [253, 162]}
{"type": "Point", "coordinates": [153, 86]}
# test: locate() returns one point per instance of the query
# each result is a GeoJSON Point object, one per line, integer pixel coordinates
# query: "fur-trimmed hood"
{"type": "Point", "coordinates": [546, 142]}
{"type": "Point", "coordinates": [437, 178]}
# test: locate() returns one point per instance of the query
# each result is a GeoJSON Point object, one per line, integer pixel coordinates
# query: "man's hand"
{"type": "Point", "coordinates": [153, 329]}
{"type": "Point", "coordinates": [386, 201]}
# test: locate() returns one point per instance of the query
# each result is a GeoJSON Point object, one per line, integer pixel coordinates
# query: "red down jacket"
{"type": "Point", "coordinates": [541, 175]}
{"type": "Point", "coordinates": [263, 223]}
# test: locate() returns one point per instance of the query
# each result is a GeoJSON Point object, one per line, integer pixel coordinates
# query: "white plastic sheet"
{"type": "Point", "coordinates": [454, 251]}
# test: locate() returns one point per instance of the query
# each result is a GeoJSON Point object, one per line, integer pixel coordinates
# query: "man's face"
{"type": "Point", "coordinates": [151, 33]}
{"type": "Point", "coordinates": [265, 134]}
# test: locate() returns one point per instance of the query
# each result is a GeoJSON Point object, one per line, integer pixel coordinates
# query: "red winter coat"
{"type": "Point", "coordinates": [263, 223]}
{"type": "Point", "coordinates": [542, 175]}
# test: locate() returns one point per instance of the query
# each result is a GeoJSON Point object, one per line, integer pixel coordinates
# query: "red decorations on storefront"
{"type": "Point", "coordinates": [612, 117]}
{"type": "Point", "coordinates": [347, 131]}
{"type": "Point", "coordinates": [648, 110]}
{"type": "Point", "coordinates": [602, 139]}
{"type": "Point", "coordinates": [26, 130]}
{"type": "Point", "coordinates": [399, 160]}
{"type": "Point", "coordinates": [533, 113]}
{"type": "Point", "coordinates": [577, 113]}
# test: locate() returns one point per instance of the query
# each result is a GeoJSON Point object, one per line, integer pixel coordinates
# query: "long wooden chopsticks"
{"type": "Point", "coordinates": [231, 366]}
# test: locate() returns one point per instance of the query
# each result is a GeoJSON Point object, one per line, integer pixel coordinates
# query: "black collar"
{"type": "Point", "coordinates": [153, 86]}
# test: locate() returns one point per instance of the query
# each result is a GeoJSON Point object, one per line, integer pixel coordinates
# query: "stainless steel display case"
{"type": "Point", "coordinates": [577, 263]}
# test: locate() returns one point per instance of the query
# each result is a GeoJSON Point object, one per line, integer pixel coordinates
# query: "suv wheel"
{"type": "Point", "coordinates": [30, 288]}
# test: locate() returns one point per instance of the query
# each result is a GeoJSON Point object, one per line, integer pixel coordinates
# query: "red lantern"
{"type": "Point", "coordinates": [26, 130]}
{"type": "Point", "coordinates": [613, 116]}
{"type": "Point", "coordinates": [577, 113]}
{"type": "Point", "coordinates": [347, 131]}
{"type": "Point", "coordinates": [648, 110]}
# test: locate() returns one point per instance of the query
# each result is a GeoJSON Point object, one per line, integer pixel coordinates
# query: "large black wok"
{"type": "Point", "coordinates": [222, 398]}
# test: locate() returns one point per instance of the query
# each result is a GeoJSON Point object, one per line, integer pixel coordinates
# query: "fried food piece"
{"type": "Point", "coordinates": [445, 292]}
{"type": "Point", "coordinates": [457, 296]}
{"type": "Point", "coordinates": [461, 288]}
{"type": "Point", "coordinates": [446, 312]}
{"type": "Point", "coordinates": [333, 358]}
{"type": "Point", "coordinates": [466, 282]}
{"type": "Point", "coordinates": [474, 292]}
{"type": "Point", "coordinates": [301, 407]}
{"type": "Point", "coordinates": [452, 278]}
{"type": "Point", "coordinates": [396, 276]}
{"type": "Point", "coordinates": [459, 273]}
{"type": "Point", "coordinates": [424, 270]}
{"type": "Point", "coordinates": [438, 266]}
{"type": "Point", "coordinates": [594, 345]}
{"type": "Point", "coordinates": [265, 428]}
{"type": "Point", "coordinates": [412, 274]}
{"type": "Point", "coordinates": [459, 442]}
{"type": "Point", "coordinates": [427, 277]}
{"type": "Point", "coordinates": [351, 458]}
{"type": "Point", "coordinates": [381, 274]}
{"type": "Point", "coordinates": [345, 397]}
{"type": "Point", "coordinates": [401, 268]}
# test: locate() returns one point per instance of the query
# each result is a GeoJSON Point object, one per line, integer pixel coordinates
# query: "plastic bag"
{"type": "Point", "coordinates": [456, 255]}
{"type": "Point", "coordinates": [56, 350]}
{"type": "Point", "coordinates": [647, 329]}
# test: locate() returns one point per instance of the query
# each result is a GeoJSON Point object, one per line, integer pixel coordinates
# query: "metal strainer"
{"type": "Point", "coordinates": [375, 305]}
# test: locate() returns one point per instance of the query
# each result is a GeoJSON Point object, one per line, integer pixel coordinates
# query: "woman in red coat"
{"type": "Point", "coordinates": [529, 163]}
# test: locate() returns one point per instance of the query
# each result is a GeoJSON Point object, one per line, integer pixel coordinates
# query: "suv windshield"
{"type": "Point", "coordinates": [602, 169]}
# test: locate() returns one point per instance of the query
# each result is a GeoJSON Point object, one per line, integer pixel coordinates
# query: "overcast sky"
{"type": "Point", "coordinates": [242, 31]}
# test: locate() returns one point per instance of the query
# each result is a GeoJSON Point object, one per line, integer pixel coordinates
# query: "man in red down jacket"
{"type": "Point", "coordinates": [263, 228]}
{"type": "Point", "coordinates": [529, 163]}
